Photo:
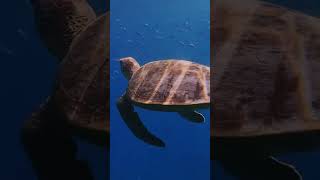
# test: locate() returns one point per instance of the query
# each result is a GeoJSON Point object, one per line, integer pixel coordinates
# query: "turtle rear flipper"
{"type": "Point", "coordinates": [134, 123]}
{"type": "Point", "coordinates": [286, 170]}
{"type": "Point", "coordinates": [251, 167]}
{"type": "Point", "coordinates": [192, 116]}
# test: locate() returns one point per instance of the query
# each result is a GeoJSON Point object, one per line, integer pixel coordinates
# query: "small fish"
{"type": "Point", "coordinates": [191, 45]}
{"type": "Point", "coordinates": [123, 28]}
{"type": "Point", "coordinates": [157, 31]}
{"type": "Point", "coordinates": [140, 34]}
{"type": "Point", "coordinates": [159, 37]}
{"type": "Point", "coordinates": [182, 43]}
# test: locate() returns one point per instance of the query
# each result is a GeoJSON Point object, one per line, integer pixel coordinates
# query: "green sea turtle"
{"type": "Point", "coordinates": [79, 103]}
{"type": "Point", "coordinates": [265, 83]}
{"type": "Point", "coordinates": [165, 85]}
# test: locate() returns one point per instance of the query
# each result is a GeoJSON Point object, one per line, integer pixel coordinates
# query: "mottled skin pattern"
{"type": "Point", "coordinates": [83, 78]}
{"type": "Point", "coordinates": [170, 82]}
{"type": "Point", "coordinates": [59, 21]}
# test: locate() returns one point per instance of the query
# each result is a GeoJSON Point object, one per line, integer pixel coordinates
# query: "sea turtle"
{"type": "Point", "coordinates": [266, 91]}
{"type": "Point", "coordinates": [164, 85]}
{"type": "Point", "coordinates": [78, 105]}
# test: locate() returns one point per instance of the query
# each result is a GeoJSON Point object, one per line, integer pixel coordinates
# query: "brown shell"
{"type": "Point", "coordinates": [170, 82]}
{"type": "Point", "coordinates": [265, 70]}
{"type": "Point", "coordinates": [83, 84]}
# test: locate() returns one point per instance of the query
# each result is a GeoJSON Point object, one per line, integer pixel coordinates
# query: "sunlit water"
{"type": "Point", "coordinates": [148, 31]}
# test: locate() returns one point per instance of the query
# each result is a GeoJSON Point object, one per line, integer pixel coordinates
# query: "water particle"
{"type": "Point", "coordinates": [123, 28]}
{"type": "Point", "coordinates": [22, 34]}
{"type": "Point", "coordinates": [182, 43]}
{"type": "Point", "coordinates": [139, 34]}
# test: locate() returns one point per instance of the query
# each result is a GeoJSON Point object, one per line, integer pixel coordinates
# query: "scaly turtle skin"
{"type": "Point", "coordinates": [165, 85]}
{"type": "Point", "coordinates": [59, 21]}
{"type": "Point", "coordinates": [78, 105]}
{"type": "Point", "coordinates": [264, 79]}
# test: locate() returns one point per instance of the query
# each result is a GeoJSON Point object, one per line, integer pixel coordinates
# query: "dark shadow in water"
{"type": "Point", "coordinates": [48, 142]}
{"type": "Point", "coordinates": [252, 158]}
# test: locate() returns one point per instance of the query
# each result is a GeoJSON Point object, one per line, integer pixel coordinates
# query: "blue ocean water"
{"type": "Point", "coordinates": [152, 30]}
{"type": "Point", "coordinates": [305, 162]}
{"type": "Point", "coordinates": [27, 74]}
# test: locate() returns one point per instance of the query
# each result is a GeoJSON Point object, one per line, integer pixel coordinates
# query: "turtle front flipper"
{"type": "Point", "coordinates": [48, 143]}
{"type": "Point", "coordinates": [134, 123]}
{"type": "Point", "coordinates": [251, 167]}
{"type": "Point", "coordinates": [192, 116]}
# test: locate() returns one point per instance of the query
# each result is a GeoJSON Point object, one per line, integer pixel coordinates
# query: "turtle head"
{"type": "Point", "coordinates": [129, 66]}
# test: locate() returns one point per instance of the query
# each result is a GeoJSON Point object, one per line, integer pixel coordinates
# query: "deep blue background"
{"type": "Point", "coordinates": [146, 30]}
{"type": "Point", "coordinates": [27, 72]}
{"type": "Point", "coordinates": [308, 162]}
{"type": "Point", "coordinates": [151, 30]}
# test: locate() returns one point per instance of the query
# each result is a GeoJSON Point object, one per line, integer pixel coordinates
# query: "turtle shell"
{"type": "Point", "coordinates": [83, 83]}
{"type": "Point", "coordinates": [266, 64]}
{"type": "Point", "coordinates": [170, 82]}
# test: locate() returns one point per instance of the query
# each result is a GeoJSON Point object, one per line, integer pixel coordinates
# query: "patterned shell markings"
{"type": "Point", "coordinates": [83, 78]}
{"type": "Point", "coordinates": [265, 76]}
{"type": "Point", "coordinates": [171, 82]}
